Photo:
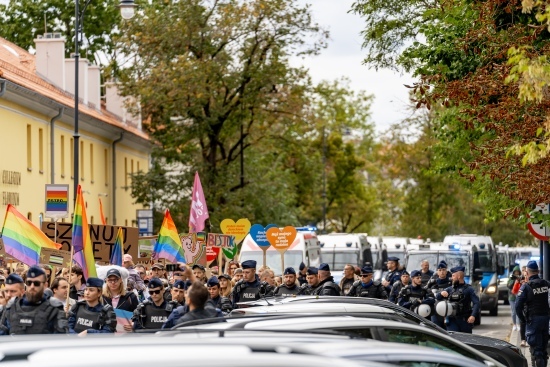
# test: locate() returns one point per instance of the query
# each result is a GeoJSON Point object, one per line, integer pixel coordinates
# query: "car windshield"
{"type": "Point", "coordinates": [485, 262]}
{"type": "Point", "coordinates": [337, 260]}
{"type": "Point", "coordinates": [455, 258]}
{"type": "Point", "coordinates": [414, 260]}
{"type": "Point", "coordinates": [273, 259]}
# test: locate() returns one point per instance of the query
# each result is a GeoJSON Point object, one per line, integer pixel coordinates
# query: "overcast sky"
{"type": "Point", "coordinates": [344, 56]}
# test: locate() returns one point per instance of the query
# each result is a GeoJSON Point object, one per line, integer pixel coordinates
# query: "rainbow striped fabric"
{"type": "Point", "coordinates": [118, 249]}
{"type": "Point", "coordinates": [168, 245]}
{"type": "Point", "coordinates": [83, 251]}
{"type": "Point", "coordinates": [22, 239]}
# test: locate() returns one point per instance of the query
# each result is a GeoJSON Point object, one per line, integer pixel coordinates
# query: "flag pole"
{"type": "Point", "coordinates": [69, 291]}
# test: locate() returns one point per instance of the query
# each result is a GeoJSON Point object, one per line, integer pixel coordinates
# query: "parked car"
{"type": "Point", "coordinates": [500, 350]}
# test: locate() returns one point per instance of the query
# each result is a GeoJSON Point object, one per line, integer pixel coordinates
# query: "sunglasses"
{"type": "Point", "coordinates": [157, 291]}
{"type": "Point", "coordinates": [365, 275]}
{"type": "Point", "coordinates": [36, 283]}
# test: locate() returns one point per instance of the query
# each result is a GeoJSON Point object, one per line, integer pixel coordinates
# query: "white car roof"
{"type": "Point", "coordinates": [300, 307]}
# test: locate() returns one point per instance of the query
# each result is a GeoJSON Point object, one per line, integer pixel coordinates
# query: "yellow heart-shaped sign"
{"type": "Point", "coordinates": [239, 229]}
{"type": "Point", "coordinates": [281, 239]}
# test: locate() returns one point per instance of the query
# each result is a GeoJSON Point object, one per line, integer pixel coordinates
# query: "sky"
{"type": "Point", "coordinates": [344, 56]}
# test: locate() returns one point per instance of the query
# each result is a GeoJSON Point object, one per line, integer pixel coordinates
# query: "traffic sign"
{"type": "Point", "coordinates": [537, 229]}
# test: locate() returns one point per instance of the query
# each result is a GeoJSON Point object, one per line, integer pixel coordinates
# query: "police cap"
{"type": "Point", "coordinates": [393, 258]}
{"type": "Point", "coordinates": [324, 267]}
{"type": "Point", "coordinates": [212, 282]}
{"type": "Point", "coordinates": [14, 279]}
{"type": "Point", "coordinates": [415, 273]}
{"type": "Point", "coordinates": [457, 269]}
{"type": "Point", "coordinates": [312, 271]}
{"type": "Point", "coordinates": [442, 265]}
{"type": "Point", "coordinates": [404, 272]}
{"type": "Point", "coordinates": [249, 264]}
{"type": "Point", "coordinates": [155, 283]}
{"type": "Point", "coordinates": [179, 284]}
{"type": "Point", "coordinates": [302, 266]}
{"type": "Point", "coordinates": [35, 271]}
{"type": "Point", "coordinates": [367, 269]}
{"type": "Point", "coordinates": [289, 270]}
{"type": "Point", "coordinates": [94, 282]}
{"type": "Point", "coordinates": [532, 265]}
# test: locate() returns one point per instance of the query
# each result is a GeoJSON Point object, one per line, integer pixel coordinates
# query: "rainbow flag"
{"type": "Point", "coordinates": [168, 245]}
{"type": "Point", "coordinates": [118, 249]}
{"type": "Point", "coordinates": [84, 253]}
{"type": "Point", "coordinates": [22, 239]}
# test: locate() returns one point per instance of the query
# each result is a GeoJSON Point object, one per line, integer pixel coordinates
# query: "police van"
{"type": "Point", "coordinates": [379, 255]}
{"type": "Point", "coordinates": [397, 246]}
{"type": "Point", "coordinates": [305, 248]}
{"type": "Point", "coordinates": [339, 249]}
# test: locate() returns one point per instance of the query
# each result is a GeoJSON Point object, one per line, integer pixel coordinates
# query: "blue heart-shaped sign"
{"type": "Point", "coordinates": [257, 232]}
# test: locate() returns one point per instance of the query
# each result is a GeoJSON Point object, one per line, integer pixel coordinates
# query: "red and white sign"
{"type": "Point", "coordinates": [537, 229]}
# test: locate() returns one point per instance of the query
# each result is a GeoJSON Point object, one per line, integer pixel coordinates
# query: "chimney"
{"type": "Point", "coordinates": [113, 101]}
{"type": "Point", "coordinates": [94, 86]}
{"type": "Point", "coordinates": [82, 78]}
{"type": "Point", "coordinates": [50, 56]}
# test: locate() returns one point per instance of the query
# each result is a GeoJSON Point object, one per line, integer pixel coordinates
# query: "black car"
{"type": "Point", "coordinates": [502, 351]}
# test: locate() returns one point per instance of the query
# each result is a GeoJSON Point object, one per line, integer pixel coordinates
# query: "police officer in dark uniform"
{"type": "Point", "coordinates": [440, 281]}
{"type": "Point", "coordinates": [213, 286]}
{"type": "Point", "coordinates": [90, 316]}
{"type": "Point", "coordinates": [312, 278]}
{"type": "Point", "coordinates": [154, 311]}
{"type": "Point", "coordinates": [302, 274]}
{"type": "Point", "coordinates": [327, 286]}
{"type": "Point", "coordinates": [393, 274]}
{"type": "Point", "coordinates": [289, 287]}
{"type": "Point", "coordinates": [177, 292]}
{"type": "Point", "coordinates": [413, 295]}
{"type": "Point", "coordinates": [34, 312]}
{"type": "Point", "coordinates": [249, 288]}
{"type": "Point", "coordinates": [404, 281]}
{"type": "Point", "coordinates": [465, 299]}
{"type": "Point", "coordinates": [532, 309]}
{"type": "Point", "coordinates": [366, 287]}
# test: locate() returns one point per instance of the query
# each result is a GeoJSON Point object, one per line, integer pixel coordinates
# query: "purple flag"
{"type": "Point", "coordinates": [199, 211]}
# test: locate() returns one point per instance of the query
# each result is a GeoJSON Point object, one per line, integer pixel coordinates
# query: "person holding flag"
{"type": "Point", "coordinates": [90, 316]}
{"type": "Point", "coordinates": [123, 302]}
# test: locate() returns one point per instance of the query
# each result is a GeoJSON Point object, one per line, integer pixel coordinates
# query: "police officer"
{"type": "Point", "coordinates": [154, 311]}
{"type": "Point", "coordinates": [199, 308]}
{"type": "Point", "coordinates": [15, 287]}
{"type": "Point", "coordinates": [289, 287]}
{"type": "Point", "coordinates": [414, 295]}
{"type": "Point", "coordinates": [366, 287]}
{"type": "Point", "coordinates": [90, 316]}
{"type": "Point", "coordinates": [213, 286]}
{"type": "Point", "coordinates": [326, 286]}
{"type": "Point", "coordinates": [440, 281]}
{"type": "Point", "coordinates": [312, 278]}
{"type": "Point", "coordinates": [177, 291]}
{"type": "Point", "coordinates": [393, 274]}
{"type": "Point", "coordinates": [404, 281]}
{"type": "Point", "coordinates": [34, 312]}
{"type": "Point", "coordinates": [466, 300]}
{"type": "Point", "coordinates": [302, 276]}
{"type": "Point", "coordinates": [532, 309]}
{"type": "Point", "coordinates": [249, 288]}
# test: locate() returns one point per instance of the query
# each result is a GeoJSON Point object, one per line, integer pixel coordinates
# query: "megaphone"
{"type": "Point", "coordinates": [446, 308]}
{"type": "Point", "coordinates": [423, 310]}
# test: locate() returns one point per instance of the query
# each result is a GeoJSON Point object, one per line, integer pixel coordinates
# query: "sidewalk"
{"type": "Point", "coordinates": [515, 339]}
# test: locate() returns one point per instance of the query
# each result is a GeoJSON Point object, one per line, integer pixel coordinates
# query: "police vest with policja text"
{"type": "Point", "coordinates": [539, 303]}
{"type": "Point", "coordinates": [86, 319]}
{"type": "Point", "coordinates": [31, 319]}
{"type": "Point", "coordinates": [155, 317]}
{"type": "Point", "coordinates": [284, 291]}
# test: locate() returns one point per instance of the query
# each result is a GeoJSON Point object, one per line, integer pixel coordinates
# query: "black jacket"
{"type": "Point", "coordinates": [128, 302]}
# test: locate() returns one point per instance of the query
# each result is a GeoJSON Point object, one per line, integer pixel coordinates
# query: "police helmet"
{"type": "Point", "coordinates": [424, 310]}
{"type": "Point", "coordinates": [445, 308]}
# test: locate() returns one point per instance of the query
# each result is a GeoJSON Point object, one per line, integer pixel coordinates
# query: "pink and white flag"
{"type": "Point", "coordinates": [199, 211]}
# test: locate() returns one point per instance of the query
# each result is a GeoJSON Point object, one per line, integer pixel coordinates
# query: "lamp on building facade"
{"type": "Point", "coordinates": [127, 10]}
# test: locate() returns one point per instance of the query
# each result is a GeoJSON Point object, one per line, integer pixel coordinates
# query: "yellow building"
{"type": "Point", "coordinates": [37, 128]}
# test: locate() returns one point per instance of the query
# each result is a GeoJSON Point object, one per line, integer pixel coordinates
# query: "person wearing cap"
{"type": "Point", "coordinates": [226, 285]}
{"type": "Point", "coordinates": [404, 281]}
{"type": "Point", "coordinates": [348, 279]}
{"type": "Point", "coordinates": [302, 274]}
{"type": "Point", "coordinates": [178, 294]}
{"type": "Point", "coordinates": [250, 288]}
{"type": "Point", "coordinates": [177, 291]}
{"type": "Point", "coordinates": [312, 278]}
{"type": "Point", "coordinates": [157, 271]}
{"type": "Point", "coordinates": [199, 271]}
{"type": "Point", "coordinates": [213, 286]}
{"type": "Point", "coordinates": [34, 312]}
{"type": "Point", "coordinates": [393, 275]}
{"type": "Point", "coordinates": [440, 281]}
{"type": "Point", "coordinates": [425, 271]}
{"type": "Point", "coordinates": [327, 286]}
{"type": "Point", "coordinates": [532, 309]}
{"type": "Point", "coordinates": [15, 286]}
{"type": "Point", "coordinates": [116, 294]}
{"type": "Point", "coordinates": [153, 312]}
{"type": "Point", "coordinates": [289, 287]}
{"type": "Point", "coordinates": [91, 316]}
{"type": "Point", "coordinates": [199, 307]}
{"type": "Point", "coordinates": [367, 287]}
{"type": "Point", "coordinates": [466, 301]}
{"type": "Point", "coordinates": [413, 295]}
{"type": "Point", "coordinates": [78, 282]}
{"type": "Point", "coordinates": [128, 263]}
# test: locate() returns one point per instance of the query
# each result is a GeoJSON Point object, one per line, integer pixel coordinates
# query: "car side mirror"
{"type": "Point", "coordinates": [478, 274]}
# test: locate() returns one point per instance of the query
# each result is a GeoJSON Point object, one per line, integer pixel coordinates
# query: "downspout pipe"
{"type": "Point", "coordinates": [52, 143]}
{"type": "Point", "coordinates": [115, 142]}
{"type": "Point", "coordinates": [3, 86]}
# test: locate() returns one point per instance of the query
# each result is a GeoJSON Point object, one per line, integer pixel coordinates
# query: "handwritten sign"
{"type": "Point", "coordinates": [239, 229]}
{"type": "Point", "coordinates": [55, 257]}
{"type": "Point", "coordinates": [281, 239]}
{"type": "Point", "coordinates": [220, 240]}
{"type": "Point", "coordinates": [103, 238]}
{"type": "Point", "coordinates": [259, 234]}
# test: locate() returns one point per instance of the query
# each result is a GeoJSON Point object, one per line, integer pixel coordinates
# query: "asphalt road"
{"type": "Point", "coordinates": [496, 326]}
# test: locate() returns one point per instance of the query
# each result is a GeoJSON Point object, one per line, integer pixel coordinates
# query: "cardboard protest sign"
{"type": "Point", "coordinates": [103, 239]}
{"type": "Point", "coordinates": [194, 247]}
{"type": "Point", "coordinates": [259, 235]}
{"type": "Point", "coordinates": [239, 229]}
{"type": "Point", "coordinates": [53, 257]}
{"type": "Point", "coordinates": [281, 240]}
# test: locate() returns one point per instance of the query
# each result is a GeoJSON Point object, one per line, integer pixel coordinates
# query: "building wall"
{"type": "Point", "coordinates": [25, 166]}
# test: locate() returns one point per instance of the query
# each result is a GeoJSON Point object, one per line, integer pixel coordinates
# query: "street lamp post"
{"type": "Point", "coordinates": [127, 8]}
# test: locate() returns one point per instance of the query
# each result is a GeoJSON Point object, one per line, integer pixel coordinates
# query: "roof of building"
{"type": "Point", "coordinates": [18, 66]}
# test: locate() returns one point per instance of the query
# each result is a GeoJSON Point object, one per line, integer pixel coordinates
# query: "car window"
{"type": "Point", "coordinates": [425, 340]}
{"type": "Point", "coordinates": [362, 332]}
